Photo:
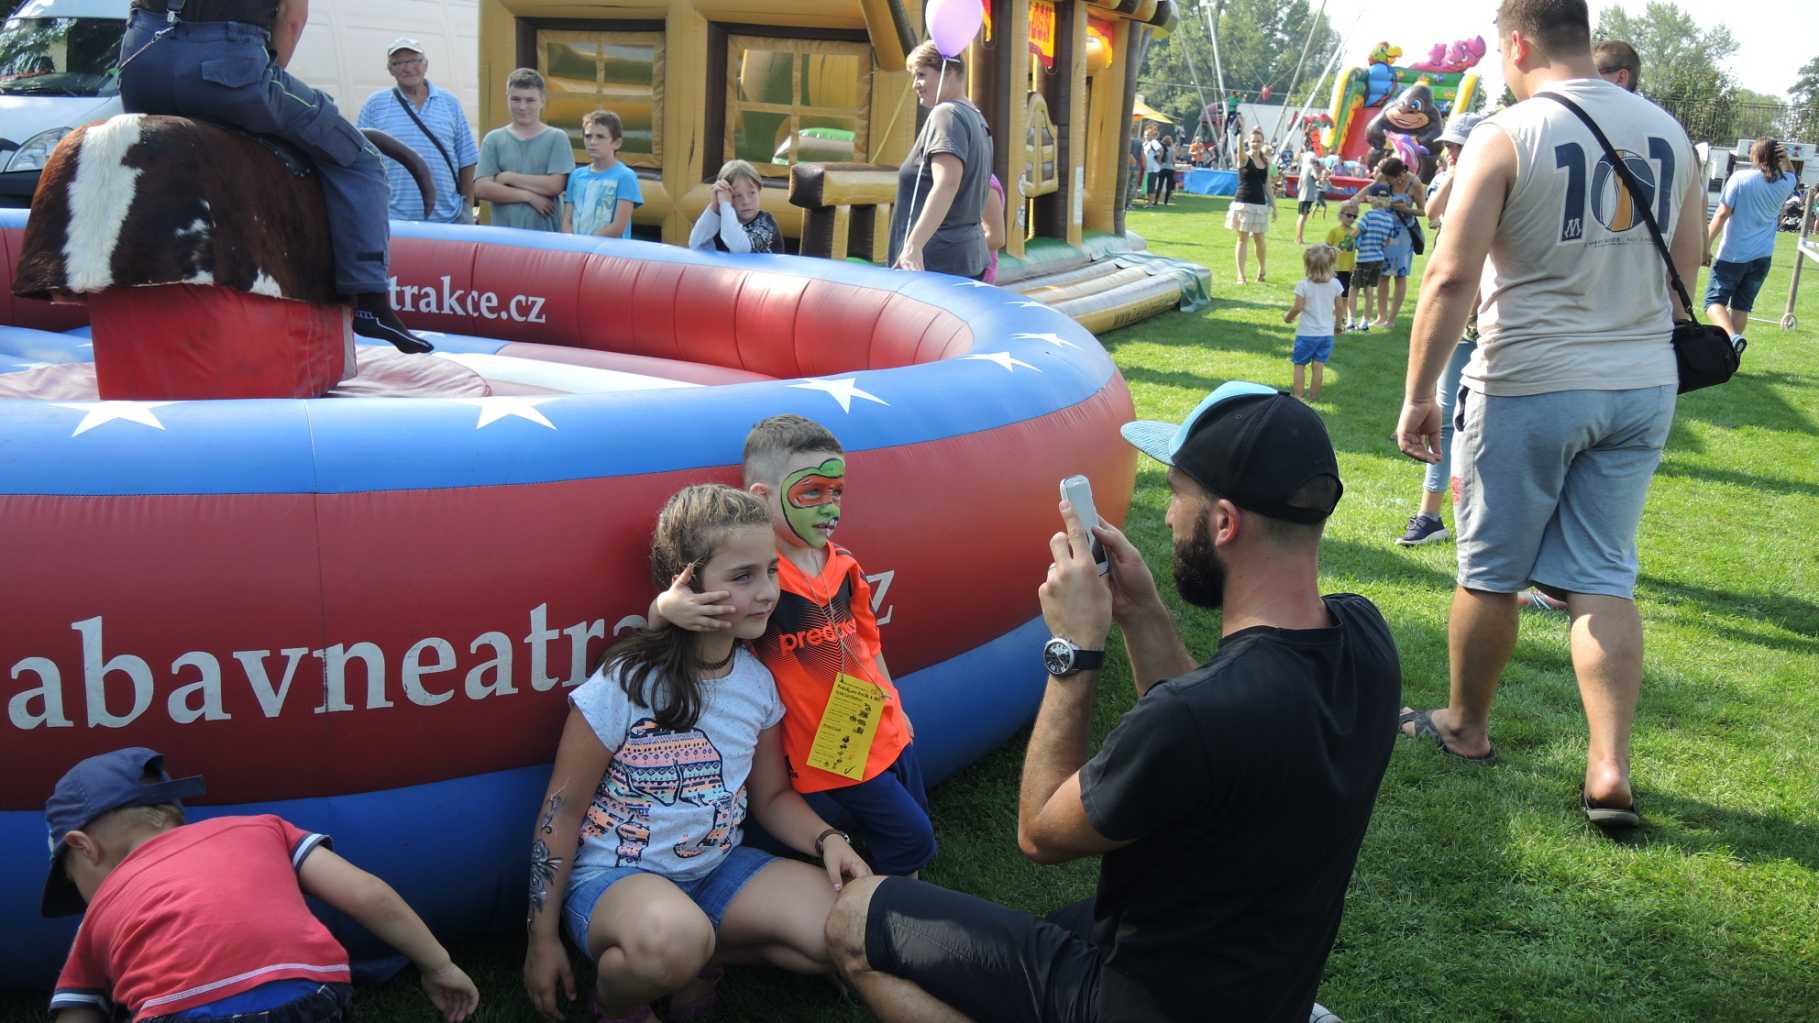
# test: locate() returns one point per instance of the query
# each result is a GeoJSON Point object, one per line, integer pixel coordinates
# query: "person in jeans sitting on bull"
{"type": "Point", "coordinates": [223, 61]}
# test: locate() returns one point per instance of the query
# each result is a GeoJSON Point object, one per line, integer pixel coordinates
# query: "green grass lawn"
{"type": "Point", "coordinates": [1480, 893]}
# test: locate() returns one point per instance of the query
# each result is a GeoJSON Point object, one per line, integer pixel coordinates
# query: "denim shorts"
{"type": "Point", "coordinates": [1735, 284]}
{"type": "Point", "coordinates": [1551, 487]}
{"type": "Point", "coordinates": [1311, 349]}
{"type": "Point", "coordinates": [712, 893]}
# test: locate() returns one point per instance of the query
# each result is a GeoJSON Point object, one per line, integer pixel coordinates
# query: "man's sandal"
{"type": "Point", "coordinates": [1611, 818]}
{"type": "Point", "coordinates": [1423, 720]}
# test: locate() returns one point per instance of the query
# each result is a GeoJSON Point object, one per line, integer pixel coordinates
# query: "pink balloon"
{"type": "Point", "coordinates": [952, 24]}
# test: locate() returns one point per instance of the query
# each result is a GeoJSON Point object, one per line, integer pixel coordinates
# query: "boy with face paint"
{"type": "Point", "coordinates": [846, 737]}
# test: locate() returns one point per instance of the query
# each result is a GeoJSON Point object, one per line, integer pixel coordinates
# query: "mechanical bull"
{"type": "Point", "coordinates": [203, 255]}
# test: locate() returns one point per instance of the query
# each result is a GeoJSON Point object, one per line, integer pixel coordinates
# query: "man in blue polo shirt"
{"type": "Point", "coordinates": [431, 121]}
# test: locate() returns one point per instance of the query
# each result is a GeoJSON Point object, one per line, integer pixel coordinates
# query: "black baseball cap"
{"type": "Point", "coordinates": [102, 784]}
{"type": "Point", "coordinates": [1259, 448]}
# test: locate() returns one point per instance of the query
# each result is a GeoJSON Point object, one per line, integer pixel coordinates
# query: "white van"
{"type": "Point", "coordinates": [59, 67]}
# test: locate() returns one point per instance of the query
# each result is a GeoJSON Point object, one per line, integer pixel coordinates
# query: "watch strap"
{"type": "Point", "coordinates": [821, 839]}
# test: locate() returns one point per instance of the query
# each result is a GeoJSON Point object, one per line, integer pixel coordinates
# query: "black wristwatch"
{"type": "Point", "coordinates": [1063, 658]}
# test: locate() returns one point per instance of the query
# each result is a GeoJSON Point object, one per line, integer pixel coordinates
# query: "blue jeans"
{"type": "Point", "coordinates": [1446, 392]}
{"type": "Point", "coordinates": [221, 71]}
{"type": "Point", "coordinates": [890, 812]}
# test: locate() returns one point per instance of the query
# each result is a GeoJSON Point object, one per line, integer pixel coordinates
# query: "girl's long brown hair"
{"type": "Point", "coordinates": [1766, 155]}
{"type": "Point", "coordinates": [657, 666]}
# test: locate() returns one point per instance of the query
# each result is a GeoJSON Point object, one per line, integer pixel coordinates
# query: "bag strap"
{"type": "Point", "coordinates": [398, 94]}
{"type": "Point", "coordinates": [1636, 197]}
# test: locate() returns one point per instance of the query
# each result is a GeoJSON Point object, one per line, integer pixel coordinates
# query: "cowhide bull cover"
{"type": "Point", "coordinates": [143, 199]}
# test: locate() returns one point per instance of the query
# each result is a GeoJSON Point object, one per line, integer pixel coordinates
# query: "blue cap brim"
{"type": "Point", "coordinates": [1161, 440]}
{"type": "Point", "coordinates": [1151, 437]}
{"type": "Point", "coordinates": [60, 895]}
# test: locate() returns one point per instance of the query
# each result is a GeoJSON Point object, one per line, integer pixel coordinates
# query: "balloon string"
{"type": "Point", "coordinates": [909, 222]}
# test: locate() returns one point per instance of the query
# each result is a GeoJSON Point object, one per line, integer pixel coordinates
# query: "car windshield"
{"type": "Point", "coordinates": [60, 56]}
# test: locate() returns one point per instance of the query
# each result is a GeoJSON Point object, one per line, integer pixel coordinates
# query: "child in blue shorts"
{"type": "Point", "coordinates": [1319, 301]}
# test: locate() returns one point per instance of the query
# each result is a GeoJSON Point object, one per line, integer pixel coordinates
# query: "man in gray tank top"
{"type": "Point", "coordinates": [1565, 407]}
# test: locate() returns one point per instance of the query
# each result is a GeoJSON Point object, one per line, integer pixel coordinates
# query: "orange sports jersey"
{"type": "Point", "coordinates": [822, 626]}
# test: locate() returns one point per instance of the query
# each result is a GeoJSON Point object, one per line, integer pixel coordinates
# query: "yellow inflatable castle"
{"type": "Point", "coordinates": [814, 94]}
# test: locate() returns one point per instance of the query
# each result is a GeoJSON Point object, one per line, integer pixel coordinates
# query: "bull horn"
{"type": "Point", "coordinates": [412, 162]}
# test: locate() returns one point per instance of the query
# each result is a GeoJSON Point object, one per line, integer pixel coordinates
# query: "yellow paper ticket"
{"type": "Point", "coordinates": [849, 723]}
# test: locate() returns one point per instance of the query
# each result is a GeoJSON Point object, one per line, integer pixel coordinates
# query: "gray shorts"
{"type": "Point", "coordinates": [1549, 488]}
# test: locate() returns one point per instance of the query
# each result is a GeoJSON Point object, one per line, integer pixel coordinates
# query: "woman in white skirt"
{"type": "Point", "coordinates": [1251, 206]}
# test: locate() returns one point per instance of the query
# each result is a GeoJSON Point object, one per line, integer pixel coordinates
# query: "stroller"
{"type": "Point", "coordinates": [1791, 211]}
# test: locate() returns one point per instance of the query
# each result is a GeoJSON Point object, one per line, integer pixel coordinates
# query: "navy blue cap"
{"type": "Point", "coordinates": [1261, 449]}
{"type": "Point", "coordinates": [102, 784]}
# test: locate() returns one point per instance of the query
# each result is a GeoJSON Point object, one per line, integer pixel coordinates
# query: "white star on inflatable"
{"type": "Point", "coordinates": [32, 365]}
{"type": "Point", "coordinates": [972, 284]}
{"type": "Point", "coordinates": [501, 406]}
{"type": "Point", "coordinates": [102, 412]}
{"type": "Point", "coordinates": [843, 390]}
{"type": "Point", "coordinates": [1005, 359]}
{"type": "Point", "coordinates": [1033, 305]}
{"type": "Point", "coordinates": [1051, 338]}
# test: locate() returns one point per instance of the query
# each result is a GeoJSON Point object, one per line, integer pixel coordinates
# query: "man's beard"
{"type": "Point", "coordinates": [1199, 570]}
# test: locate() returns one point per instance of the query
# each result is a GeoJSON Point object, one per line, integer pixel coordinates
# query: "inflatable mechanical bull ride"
{"type": "Point", "coordinates": [203, 255]}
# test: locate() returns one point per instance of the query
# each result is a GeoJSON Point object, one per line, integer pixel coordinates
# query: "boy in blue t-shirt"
{"type": "Point", "coordinates": [602, 195]}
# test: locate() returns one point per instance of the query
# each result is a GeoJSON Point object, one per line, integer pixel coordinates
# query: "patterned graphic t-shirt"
{"type": "Point", "coordinates": [594, 195]}
{"type": "Point", "coordinates": [672, 802]}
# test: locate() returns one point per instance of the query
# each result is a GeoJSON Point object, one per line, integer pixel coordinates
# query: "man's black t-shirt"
{"type": "Point", "coordinates": [1247, 785]}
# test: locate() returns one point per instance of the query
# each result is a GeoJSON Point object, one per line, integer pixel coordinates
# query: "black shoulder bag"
{"type": "Point", "coordinates": [462, 216]}
{"type": "Point", "coordinates": [1704, 353]}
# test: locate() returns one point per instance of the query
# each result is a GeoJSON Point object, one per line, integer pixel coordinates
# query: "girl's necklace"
{"type": "Point", "coordinates": [721, 663]}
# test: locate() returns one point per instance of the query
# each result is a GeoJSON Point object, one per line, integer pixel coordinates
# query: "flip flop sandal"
{"type": "Point", "coordinates": [1423, 720]}
{"type": "Point", "coordinates": [696, 1010]}
{"type": "Point", "coordinates": [1610, 818]}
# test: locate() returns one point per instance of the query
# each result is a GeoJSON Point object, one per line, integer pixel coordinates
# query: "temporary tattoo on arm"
{"type": "Point", "coordinates": [543, 865]}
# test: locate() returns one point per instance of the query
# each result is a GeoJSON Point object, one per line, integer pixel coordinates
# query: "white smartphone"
{"type": "Point", "coordinates": [1078, 491]}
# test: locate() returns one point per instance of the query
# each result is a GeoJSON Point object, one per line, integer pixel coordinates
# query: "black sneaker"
{"type": "Point", "coordinates": [374, 318]}
{"type": "Point", "coordinates": [1422, 529]}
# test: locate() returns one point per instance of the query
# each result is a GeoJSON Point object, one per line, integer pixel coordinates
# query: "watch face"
{"type": "Point", "coordinates": [1058, 656]}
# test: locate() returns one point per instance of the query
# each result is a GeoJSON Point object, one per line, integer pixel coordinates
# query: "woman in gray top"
{"type": "Point", "coordinates": [947, 172]}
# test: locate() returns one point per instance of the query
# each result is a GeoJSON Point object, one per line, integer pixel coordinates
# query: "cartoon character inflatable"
{"type": "Point", "coordinates": [1362, 93]}
{"type": "Point", "coordinates": [1383, 75]}
{"type": "Point", "coordinates": [1413, 114]}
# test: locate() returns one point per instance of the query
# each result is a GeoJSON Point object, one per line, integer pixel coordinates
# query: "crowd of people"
{"type": "Point", "coordinates": [1228, 806]}
{"type": "Point", "coordinates": [525, 173]}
